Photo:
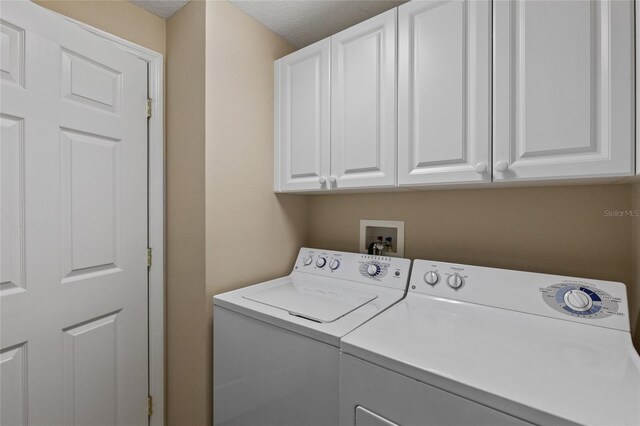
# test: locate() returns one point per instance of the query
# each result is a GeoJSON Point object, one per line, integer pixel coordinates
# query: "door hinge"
{"type": "Point", "coordinates": [150, 405]}
{"type": "Point", "coordinates": [149, 257]}
{"type": "Point", "coordinates": [148, 108]}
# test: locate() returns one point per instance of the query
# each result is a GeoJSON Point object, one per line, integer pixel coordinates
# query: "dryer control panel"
{"type": "Point", "coordinates": [387, 271]}
{"type": "Point", "coordinates": [593, 302]}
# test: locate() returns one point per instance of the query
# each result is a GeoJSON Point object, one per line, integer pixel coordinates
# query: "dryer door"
{"type": "Point", "coordinates": [409, 401]}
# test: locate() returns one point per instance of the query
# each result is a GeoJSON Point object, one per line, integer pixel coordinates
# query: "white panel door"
{"type": "Point", "coordinates": [443, 92]}
{"type": "Point", "coordinates": [363, 104]}
{"type": "Point", "coordinates": [73, 235]}
{"type": "Point", "coordinates": [563, 89]}
{"type": "Point", "coordinates": [302, 123]}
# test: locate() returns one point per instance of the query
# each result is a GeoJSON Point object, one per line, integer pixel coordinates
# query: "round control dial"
{"type": "Point", "coordinates": [373, 269]}
{"type": "Point", "coordinates": [306, 261]}
{"type": "Point", "coordinates": [321, 262]}
{"type": "Point", "coordinates": [578, 300]}
{"type": "Point", "coordinates": [455, 281]}
{"type": "Point", "coordinates": [431, 278]}
{"type": "Point", "coordinates": [334, 264]}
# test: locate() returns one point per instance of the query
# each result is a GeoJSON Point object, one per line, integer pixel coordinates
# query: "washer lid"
{"type": "Point", "coordinates": [313, 301]}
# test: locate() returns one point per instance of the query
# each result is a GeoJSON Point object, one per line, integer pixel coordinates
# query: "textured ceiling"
{"type": "Point", "coordinates": [303, 22]}
{"type": "Point", "coordinates": [162, 8]}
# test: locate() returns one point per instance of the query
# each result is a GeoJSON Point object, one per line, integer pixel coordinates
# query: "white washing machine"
{"type": "Point", "coordinates": [482, 346]}
{"type": "Point", "coordinates": [276, 344]}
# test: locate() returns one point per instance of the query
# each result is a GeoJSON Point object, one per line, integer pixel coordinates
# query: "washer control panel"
{"type": "Point", "coordinates": [580, 300]}
{"type": "Point", "coordinates": [387, 271]}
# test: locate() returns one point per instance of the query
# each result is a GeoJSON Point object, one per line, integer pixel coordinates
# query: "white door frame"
{"type": "Point", "coordinates": [156, 210]}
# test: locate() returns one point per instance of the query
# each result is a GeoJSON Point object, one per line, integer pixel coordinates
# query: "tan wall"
{"type": "Point", "coordinates": [118, 17]}
{"type": "Point", "coordinates": [559, 230]}
{"type": "Point", "coordinates": [186, 307]}
{"type": "Point", "coordinates": [634, 295]}
{"type": "Point", "coordinates": [252, 234]}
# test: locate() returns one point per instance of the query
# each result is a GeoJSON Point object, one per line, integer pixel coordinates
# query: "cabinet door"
{"type": "Point", "coordinates": [563, 89]}
{"type": "Point", "coordinates": [363, 104]}
{"type": "Point", "coordinates": [302, 132]}
{"type": "Point", "coordinates": [443, 92]}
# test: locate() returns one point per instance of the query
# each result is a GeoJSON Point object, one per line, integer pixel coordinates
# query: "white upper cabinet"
{"type": "Point", "coordinates": [363, 104]}
{"type": "Point", "coordinates": [563, 83]}
{"type": "Point", "coordinates": [302, 120]}
{"type": "Point", "coordinates": [444, 92]}
{"type": "Point", "coordinates": [461, 92]}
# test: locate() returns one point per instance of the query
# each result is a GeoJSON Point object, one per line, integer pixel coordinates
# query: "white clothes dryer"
{"type": "Point", "coordinates": [276, 344]}
{"type": "Point", "coordinates": [481, 346]}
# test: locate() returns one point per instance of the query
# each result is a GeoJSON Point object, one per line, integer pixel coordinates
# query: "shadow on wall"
{"type": "Point", "coordinates": [636, 337]}
{"type": "Point", "coordinates": [290, 206]}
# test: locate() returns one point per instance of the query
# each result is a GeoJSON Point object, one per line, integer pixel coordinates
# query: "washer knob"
{"type": "Point", "coordinates": [321, 262]}
{"type": "Point", "coordinates": [372, 270]}
{"type": "Point", "coordinates": [431, 278]}
{"type": "Point", "coordinates": [307, 260]}
{"type": "Point", "coordinates": [578, 300]}
{"type": "Point", "coordinates": [334, 264]}
{"type": "Point", "coordinates": [455, 281]}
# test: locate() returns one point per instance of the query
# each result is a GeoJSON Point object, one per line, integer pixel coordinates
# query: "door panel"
{"type": "Point", "coordinates": [12, 52]}
{"type": "Point", "coordinates": [73, 188]}
{"type": "Point", "coordinates": [363, 107]}
{"type": "Point", "coordinates": [11, 190]}
{"type": "Point", "coordinates": [90, 185]}
{"type": "Point", "coordinates": [302, 115]}
{"type": "Point", "coordinates": [89, 358]}
{"type": "Point", "coordinates": [443, 92]}
{"type": "Point", "coordinates": [563, 89]}
{"type": "Point", "coordinates": [13, 404]}
{"type": "Point", "coordinates": [89, 82]}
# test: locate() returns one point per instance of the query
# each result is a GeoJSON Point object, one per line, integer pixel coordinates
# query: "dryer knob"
{"type": "Point", "coordinates": [307, 260]}
{"type": "Point", "coordinates": [455, 281]}
{"type": "Point", "coordinates": [334, 264]}
{"type": "Point", "coordinates": [578, 300]}
{"type": "Point", "coordinates": [321, 262]}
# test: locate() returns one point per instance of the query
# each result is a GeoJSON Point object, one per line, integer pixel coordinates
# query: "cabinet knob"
{"type": "Point", "coordinates": [502, 166]}
{"type": "Point", "coordinates": [322, 180]}
{"type": "Point", "coordinates": [333, 179]}
{"type": "Point", "coordinates": [480, 168]}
